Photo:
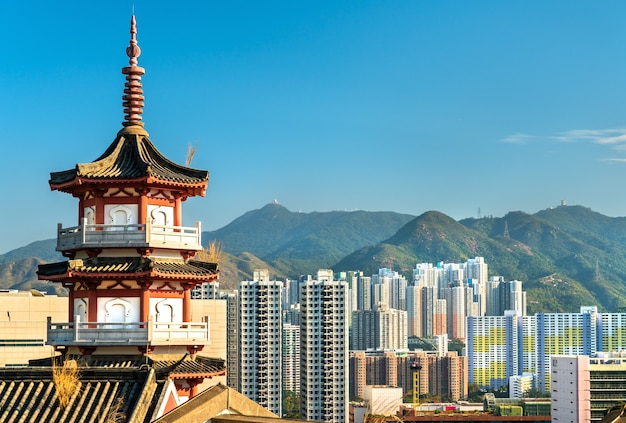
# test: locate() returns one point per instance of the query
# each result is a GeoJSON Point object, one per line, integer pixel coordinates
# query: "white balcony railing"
{"type": "Point", "coordinates": [128, 333]}
{"type": "Point", "coordinates": [134, 235]}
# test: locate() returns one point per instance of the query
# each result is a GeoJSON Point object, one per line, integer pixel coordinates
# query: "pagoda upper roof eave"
{"type": "Point", "coordinates": [80, 184]}
{"type": "Point", "coordinates": [134, 158]}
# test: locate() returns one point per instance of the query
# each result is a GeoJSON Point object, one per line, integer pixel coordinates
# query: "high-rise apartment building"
{"type": "Point", "coordinates": [414, 310]}
{"type": "Point", "coordinates": [391, 329]}
{"type": "Point", "coordinates": [291, 357]}
{"type": "Point", "coordinates": [232, 338]}
{"type": "Point", "coordinates": [570, 389]}
{"type": "Point", "coordinates": [364, 292]}
{"type": "Point", "coordinates": [492, 344]}
{"type": "Point", "coordinates": [501, 347]}
{"type": "Point", "coordinates": [324, 349]}
{"type": "Point", "coordinates": [563, 334]}
{"type": "Point", "coordinates": [383, 328]}
{"type": "Point", "coordinates": [206, 291]}
{"type": "Point", "coordinates": [260, 341]}
{"type": "Point", "coordinates": [445, 376]}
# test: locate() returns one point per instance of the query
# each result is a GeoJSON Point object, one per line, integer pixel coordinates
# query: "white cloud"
{"type": "Point", "coordinates": [615, 138]}
{"type": "Point", "coordinates": [597, 136]}
{"type": "Point", "coordinates": [518, 138]}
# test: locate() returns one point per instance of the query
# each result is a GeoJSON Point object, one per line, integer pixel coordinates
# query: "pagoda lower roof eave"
{"type": "Point", "coordinates": [80, 183]}
{"type": "Point", "coordinates": [192, 375]}
{"type": "Point", "coordinates": [81, 276]}
{"type": "Point", "coordinates": [127, 268]}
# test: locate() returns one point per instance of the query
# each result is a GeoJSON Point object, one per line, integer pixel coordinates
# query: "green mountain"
{"type": "Point", "coordinates": [434, 237]}
{"type": "Point", "coordinates": [566, 256]}
{"type": "Point", "coordinates": [301, 243]}
{"type": "Point", "coordinates": [560, 269]}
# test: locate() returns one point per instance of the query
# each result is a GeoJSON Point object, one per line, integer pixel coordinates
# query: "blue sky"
{"type": "Point", "coordinates": [405, 106]}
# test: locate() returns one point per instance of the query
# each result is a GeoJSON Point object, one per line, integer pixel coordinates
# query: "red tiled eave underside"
{"type": "Point", "coordinates": [78, 183]}
{"type": "Point", "coordinates": [127, 268]}
{"type": "Point", "coordinates": [192, 375]}
{"type": "Point", "coordinates": [81, 276]}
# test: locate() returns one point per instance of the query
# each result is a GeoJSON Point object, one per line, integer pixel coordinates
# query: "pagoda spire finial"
{"type": "Point", "coordinates": [133, 91]}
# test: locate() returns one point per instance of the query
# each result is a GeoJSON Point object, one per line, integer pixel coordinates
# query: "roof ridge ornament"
{"type": "Point", "coordinates": [133, 91]}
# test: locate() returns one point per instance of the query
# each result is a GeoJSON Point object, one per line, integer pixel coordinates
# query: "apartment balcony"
{"type": "Point", "coordinates": [134, 235]}
{"type": "Point", "coordinates": [127, 333]}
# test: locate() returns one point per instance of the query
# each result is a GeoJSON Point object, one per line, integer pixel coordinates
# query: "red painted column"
{"type": "Point", "coordinates": [70, 304]}
{"type": "Point", "coordinates": [100, 209]}
{"type": "Point", "coordinates": [178, 212]}
{"type": "Point", "coordinates": [193, 388]}
{"type": "Point", "coordinates": [143, 208]}
{"type": "Point", "coordinates": [92, 313]}
{"type": "Point", "coordinates": [145, 302]}
{"type": "Point", "coordinates": [187, 305]}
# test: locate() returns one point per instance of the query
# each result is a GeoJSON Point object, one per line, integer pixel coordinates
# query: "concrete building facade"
{"type": "Point", "coordinates": [260, 341]}
{"type": "Point", "coordinates": [324, 349]}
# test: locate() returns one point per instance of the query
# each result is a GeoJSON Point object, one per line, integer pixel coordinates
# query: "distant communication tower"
{"type": "Point", "coordinates": [479, 212]}
{"type": "Point", "coordinates": [506, 229]}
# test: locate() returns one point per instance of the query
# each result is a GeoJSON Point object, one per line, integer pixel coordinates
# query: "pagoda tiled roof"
{"type": "Point", "coordinates": [116, 267]}
{"type": "Point", "coordinates": [128, 386]}
{"type": "Point", "coordinates": [29, 394]}
{"type": "Point", "coordinates": [132, 158]}
{"type": "Point", "coordinates": [189, 366]}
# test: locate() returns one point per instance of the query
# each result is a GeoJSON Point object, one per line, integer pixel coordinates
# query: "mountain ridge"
{"type": "Point", "coordinates": [567, 256]}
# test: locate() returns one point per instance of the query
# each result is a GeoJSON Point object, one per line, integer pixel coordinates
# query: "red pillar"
{"type": "Point", "coordinates": [187, 305]}
{"type": "Point", "coordinates": [100, 209]}
{"type": "Point", "coordinates": [143, 209]}
{"type": "Point", "coordinates": [92, 313]}
{"type": "Point", "coordinates": [70, 304]}
{"type": "Point", "coordinates": [145, 302]}
{"type": "Point", "coordinates": [178, 212]}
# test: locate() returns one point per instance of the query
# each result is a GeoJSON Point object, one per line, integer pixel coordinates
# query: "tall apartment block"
{"type": "Point", "coordinates": [291, 357]}
{"type": "Point", "coordinates": [383, 328]}
{"type": "Point", "coordinates": [492, 344]}
{"type": "Point", "coordinates": [563, 334]}
{"type": "Point", "coordinates": [232, 338]}
{"type": "Point", "coordinates": [324, 349]}
{"type": "Point", "coordinates": [501, 347]}
{"type": "Point", "coordinates": [570, 389]}
{"type": "Point", "coordinates": [414, 310]}
{"type": "Point", "coordinates": [504, 295]}
{"type": "Point", "coordinates": [260, 341]}
{"type": "Point", "coordinates": [438, 375]}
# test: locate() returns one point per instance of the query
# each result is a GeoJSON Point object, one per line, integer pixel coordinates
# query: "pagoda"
{"type": "Point", "coordinates": [131, 262]}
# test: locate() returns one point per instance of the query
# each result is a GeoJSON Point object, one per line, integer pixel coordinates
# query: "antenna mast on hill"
{"type": "Point", "coordinates": [506, 229]}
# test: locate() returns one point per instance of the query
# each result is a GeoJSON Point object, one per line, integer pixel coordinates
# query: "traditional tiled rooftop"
{"type": "Point", "coordinates": [188, 367]}
{"type": "Point", "coordinates": [131, 386]}
{"type": "Point", "coordinates": [105, 267]}
{"type": "Point", "coordinates": [30, 395]}
{"type": "Point", "coordinates": [132, 157]}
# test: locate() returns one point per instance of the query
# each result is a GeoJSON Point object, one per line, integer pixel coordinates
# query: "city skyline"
{"type": "Point", "coordinates": [406, 107]}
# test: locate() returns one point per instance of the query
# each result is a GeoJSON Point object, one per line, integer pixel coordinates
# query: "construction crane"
{"type": "Point", "coordinates": [416, 368]}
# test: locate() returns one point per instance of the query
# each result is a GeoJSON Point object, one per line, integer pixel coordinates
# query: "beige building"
{"type": "Point", "coordinates": [213, 312]}
{"type": "Point", "coordinates": [23, 325]}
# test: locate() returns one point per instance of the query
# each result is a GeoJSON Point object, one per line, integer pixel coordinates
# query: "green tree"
{"type": "Point", "coordinates": [291, 405]}
{"type": "Point", "coordinates": [474, 393]}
